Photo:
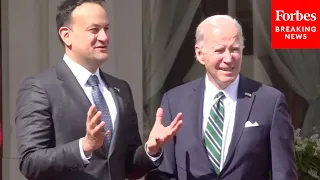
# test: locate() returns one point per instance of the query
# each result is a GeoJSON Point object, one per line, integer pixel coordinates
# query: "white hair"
{"type": "Point", "coordinates": [214, 21]}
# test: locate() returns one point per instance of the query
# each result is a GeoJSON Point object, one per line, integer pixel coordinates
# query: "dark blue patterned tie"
{"type": "Point", "coordinates": [102, 106]}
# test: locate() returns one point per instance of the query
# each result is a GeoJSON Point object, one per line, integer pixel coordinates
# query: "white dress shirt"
{"type": "Point", "coordinates": [229, 102]}
{"type": "Point", "coordinates": [82, 75]}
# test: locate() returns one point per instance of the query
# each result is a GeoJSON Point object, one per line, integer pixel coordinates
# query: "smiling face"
{"type": "Point", "coordinates": [87, 37]}
{"type": "Point", "coordinates": [220, 51]}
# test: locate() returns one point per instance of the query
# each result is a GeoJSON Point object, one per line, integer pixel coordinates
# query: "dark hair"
{"type": "Point", "coordinates": [65, 9]}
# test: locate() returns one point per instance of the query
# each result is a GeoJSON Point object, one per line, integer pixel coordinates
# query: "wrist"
{"type": "Point", "coordinates": [152, 151]}
{"type": "Point", "coordinates": [156, 154]}
{"type": "Point", "coordinates": [86, 147]}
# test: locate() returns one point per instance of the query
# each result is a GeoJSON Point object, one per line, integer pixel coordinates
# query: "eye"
{"type": "Point", "coordinates": [219, 50]}
{"type": "Point", "coordinates": [236, 49]}
{"type": "Point", "coordinates": [94, 30]}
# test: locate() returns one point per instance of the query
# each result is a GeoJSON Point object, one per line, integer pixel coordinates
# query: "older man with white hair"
{"type": "Point", "coordinates": [234, 128]}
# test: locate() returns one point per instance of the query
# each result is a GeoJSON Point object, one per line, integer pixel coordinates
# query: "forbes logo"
{"type": "Point", "coordinates": [281, 15]}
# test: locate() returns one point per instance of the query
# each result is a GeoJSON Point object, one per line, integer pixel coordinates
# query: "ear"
{"type": "Point", "coordinates": [65, 35]}
{"type": "Point", "coordinates": [199, 53]}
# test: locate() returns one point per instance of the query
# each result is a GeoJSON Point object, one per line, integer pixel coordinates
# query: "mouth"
{"type": "Point", "coordinates": [101, 48]}
{"type": "Point", "coordinates": [227, 69]}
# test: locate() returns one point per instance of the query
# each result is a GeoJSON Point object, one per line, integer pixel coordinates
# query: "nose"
{"type": "Point", "coordinates": [103, 36]}
{"type": "Point", "coordinates": [227, 56]}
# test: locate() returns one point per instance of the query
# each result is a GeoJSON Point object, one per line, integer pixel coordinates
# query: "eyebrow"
{"type": "Point", "coordinates": [222, 46]}
{"type": "Point", "coordinates": [236, 46]}
{"type": "Point", "coordinates": [97, 25]}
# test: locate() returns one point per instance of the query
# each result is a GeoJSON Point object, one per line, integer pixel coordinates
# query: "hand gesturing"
{"type": "Point", "coordinates": [160, 134]}
{"type": "Point", "coordinates": [95, 131]}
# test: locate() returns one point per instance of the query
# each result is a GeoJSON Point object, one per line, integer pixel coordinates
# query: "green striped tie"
{"type": "Point", "coordinates": [214, 132]}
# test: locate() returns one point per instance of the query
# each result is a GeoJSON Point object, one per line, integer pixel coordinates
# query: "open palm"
{"type": "Point", "coordinates": [160, 134]}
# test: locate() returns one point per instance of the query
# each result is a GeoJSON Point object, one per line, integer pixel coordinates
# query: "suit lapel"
{"type": "Point", "coordinates": [194, 112]}
{"type": "Point", "coordinates": [120, 107]}
{"type": "Point", "coordinates": [73, 89]}
{"type": "Point", "coordinates": [244, 103]}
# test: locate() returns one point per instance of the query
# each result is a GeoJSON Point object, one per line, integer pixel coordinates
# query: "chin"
{"type": "Point", "coordinates": [102, 57]}
{"type": "Point", "coordinates": [227, 80]}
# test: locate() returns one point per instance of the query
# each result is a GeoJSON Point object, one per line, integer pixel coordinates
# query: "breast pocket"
{"type": "Point", "coordinates": [255, 138]}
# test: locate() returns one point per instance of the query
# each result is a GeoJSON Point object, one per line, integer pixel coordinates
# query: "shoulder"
{"type": "Point", "coordinates": [37, 88]}
{"type": "Point", "coordinates": [41, 79]}
{"type": "Point", "coordinates": [262, 91]}
{"type": "Point", "coordinates": [186, 88]}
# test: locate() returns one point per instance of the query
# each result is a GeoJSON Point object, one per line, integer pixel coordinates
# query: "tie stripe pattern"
{"type": "Point", "coordinates": [101, 105]}
{"type": "Point", "coordinates": [214, 132]}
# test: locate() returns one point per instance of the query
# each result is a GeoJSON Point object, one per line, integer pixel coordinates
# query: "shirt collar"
{"type": "Point", "coordinates": [81, 73]}
{"type": "Point", "coordinates": [231, 91]}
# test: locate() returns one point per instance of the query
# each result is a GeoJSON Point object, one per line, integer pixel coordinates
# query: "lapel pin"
{"type": "Point", "coordinates": [116, 89]}
{"type": "Point", "coordinates": [247, 94]}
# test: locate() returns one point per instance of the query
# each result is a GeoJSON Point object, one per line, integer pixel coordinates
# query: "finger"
{"type": "Point", "coordinates": [91, 113]}
{"type": "Point", "coordinates": [95, 120]}
{"type": "Point", "coordinates": [176, 120]}
{"type": "Point", "coordinates": [176, 128]}
{"type": "Point", "coordinates": [106, 133]}
{"type": "Point", "coordinates": [98, 129]}
{"type": "Point", "coordinates": [159, 116]}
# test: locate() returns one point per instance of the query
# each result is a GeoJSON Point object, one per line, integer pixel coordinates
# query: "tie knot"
{"type": "Point", "coordinates": [220, 95]}
{"type": "Point", "coordinates": [93, 80]}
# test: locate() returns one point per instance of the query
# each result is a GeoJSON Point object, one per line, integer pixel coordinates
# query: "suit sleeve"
{"type": "Point", "coordinates": [138, 162]}
{"type": "Point", "coordinates": [39, 157]}
{"type": "Point", "coordinates": [282, 143]}
{"type": "Point", "coordinates": [167, 169]}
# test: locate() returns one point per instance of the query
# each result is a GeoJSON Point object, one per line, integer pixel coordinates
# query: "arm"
{"type": "Point", "coordinates": [282, 143]}
{"type": "Point", "coordinates": [167, 169]}
{"type": "Point", "coordinates": [138, 162]}
{"type": "Point", "coordinates": [39, 157]}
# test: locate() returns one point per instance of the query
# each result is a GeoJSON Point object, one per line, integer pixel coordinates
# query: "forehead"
{"type": "Point", "coordinates": [224, 34]}
{"type": "Point", "coordinates": [89, 13]}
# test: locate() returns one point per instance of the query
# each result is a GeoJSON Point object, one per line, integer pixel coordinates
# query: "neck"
{"type": "Point", "coordinates": [90, 65]}
{"type": "Point", "coordinates": [219, 85]}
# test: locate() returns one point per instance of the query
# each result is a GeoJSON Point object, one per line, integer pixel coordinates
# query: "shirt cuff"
{"type": "Point", "coordinates": [154, 159]}
{"type": "Point", "coordinates": [83, 156]}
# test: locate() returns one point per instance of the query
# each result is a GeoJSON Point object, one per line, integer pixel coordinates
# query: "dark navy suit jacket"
{"type": "Point", "coordinates": [254, 152]}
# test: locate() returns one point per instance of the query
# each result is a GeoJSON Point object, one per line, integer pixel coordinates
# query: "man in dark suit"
{"type": "Point", "coordinates": [75, 122]}
{"type": "Point", "coordinates": [234, 128]}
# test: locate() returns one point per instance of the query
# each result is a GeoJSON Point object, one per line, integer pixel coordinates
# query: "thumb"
{"type": "Point", "coordinates": [159, 116]}
{"type": "Point", "coordinates": [159, 141]}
